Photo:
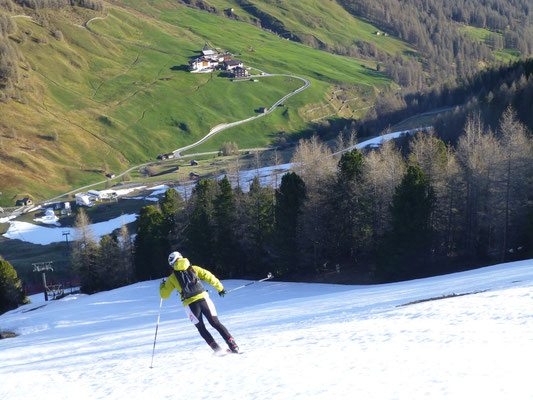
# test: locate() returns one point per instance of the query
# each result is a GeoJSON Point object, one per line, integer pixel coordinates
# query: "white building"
{"type": "Point", "coordinates": [83, 199]}
{"type": "Point", "coordinates": [203, 65]}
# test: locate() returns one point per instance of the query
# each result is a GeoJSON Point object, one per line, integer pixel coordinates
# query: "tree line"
{"type": "Point", "coordinates": [102, 264]}
{"type": "Point", "coordinates": [489, 92]}
{"type": "Point", "coordinates": [416, 208]}
{"type": "Point", "coordinates": [410, 208]}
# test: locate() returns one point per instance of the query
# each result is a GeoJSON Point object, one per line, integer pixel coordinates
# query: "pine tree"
{"type": "Point", "coordinates": [151, 245]}
{"type": "Point", "coordinates": [171, 203]}
{"type": "Point", "coordinates": [200, 234]}
{"type": "Point", "coordinates": [406, 248]}
{"type": "Point", "coordinates": [289, 202]}
{"type": "Point", "coordinates": [412, 205]}
{"type": "Point", "coordinates": [226, 248]}
{"type": "Point", "coordinates": [350, 232]}
{"type": "Point", "coordinates": [172, 206]}
{"type": "Point", "coordinates": [350, 166]}
{"type": "Point", "coordinates": [260, 225]}
{"type": "Point", "coordinates": [11, 293]}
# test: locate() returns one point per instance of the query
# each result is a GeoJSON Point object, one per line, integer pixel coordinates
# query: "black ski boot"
{"type": "Point", "coordinates": [214, 345]}
{"type": "Point", "coordinates": [232, 345]}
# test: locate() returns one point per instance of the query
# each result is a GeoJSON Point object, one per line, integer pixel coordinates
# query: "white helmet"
{"type": "Point", "coordinates": [173, 257]}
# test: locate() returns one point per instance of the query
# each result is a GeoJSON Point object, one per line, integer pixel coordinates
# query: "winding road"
{"type": "Point", "coordinates": [221, 127]}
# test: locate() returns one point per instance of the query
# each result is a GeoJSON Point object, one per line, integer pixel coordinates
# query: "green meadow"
{"type": "Point", "coordinates": [487, 37]}
{"type": "Point", "coordinates": [194, 103]}
{"type": "Point", "coordinates": [119, 93]}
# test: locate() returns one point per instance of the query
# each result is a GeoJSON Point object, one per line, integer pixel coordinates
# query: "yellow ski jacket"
{"type": "Point", "coordinates": [165, 289]}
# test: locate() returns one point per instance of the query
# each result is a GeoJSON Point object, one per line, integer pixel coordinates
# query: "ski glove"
{"type": "Point", "coordinates": [222, 293]}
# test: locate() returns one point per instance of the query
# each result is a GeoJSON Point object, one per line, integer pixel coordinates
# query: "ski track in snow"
{"type": "Point", "coordinates": [301, 341]}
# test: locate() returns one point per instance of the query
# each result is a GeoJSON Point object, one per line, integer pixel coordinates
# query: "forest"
{"type": "Point", "coordinates": [412, 208]}
{"type": "Point", "coordinates": [432, 27]}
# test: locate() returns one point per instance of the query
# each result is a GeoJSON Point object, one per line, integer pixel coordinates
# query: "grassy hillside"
{"type": "Point", "coordinates": [116, 94]}
{"type": "Point", "coordinates": [321, 23]}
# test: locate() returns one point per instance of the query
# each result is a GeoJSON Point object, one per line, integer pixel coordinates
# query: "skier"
{"type": "Point", "coordinates": [195, 298]}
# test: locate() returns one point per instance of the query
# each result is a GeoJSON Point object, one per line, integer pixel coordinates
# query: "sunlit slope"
{"type": "Point", "coordinates": [321, 23]}
{"type": "Point", "coordinates": [117, 94]}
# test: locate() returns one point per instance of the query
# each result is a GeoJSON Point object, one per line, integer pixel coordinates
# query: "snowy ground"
{"type": "Point", "coordinates": [44, 235]}
{"type": "Point", "coordinates": [300, 341]}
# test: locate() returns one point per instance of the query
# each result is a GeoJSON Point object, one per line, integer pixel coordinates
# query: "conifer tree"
{"type": "Point", "coordinates": [200, 234]}
{"type": "Point", "coordinates": [516, 172]}
{"type": "Point", "coordinates": [172, 206]}
{"type": "Point", "coordinates": [406, 248]}
{"type": "Point", "coordinates": [289, 202]}
{"type": "Point", "coordinates": [347, 201]}
{"type": "Point", "coordinates": [383, 171]}
{"type": "Point", "coordinates": [479, 155]}
{"type": "Point", "coordinates": [151, 245]}
{"type": "Point", "coordinates": [260, 225]}
{"type": "Point", "coordinates": [11, 293]}
{"type": "Point", "coordinates": [226, 247]}
{"type": "Point", "coordinates": [314, 163]}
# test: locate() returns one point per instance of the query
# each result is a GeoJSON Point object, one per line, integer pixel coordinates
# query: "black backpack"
{"type": "Point", "coordinates": [189, 282]}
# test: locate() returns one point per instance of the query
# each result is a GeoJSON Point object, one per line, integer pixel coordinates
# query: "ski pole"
{"type": "Point", "coordinates": [156, 328]}
{"type": "Point", "coordinates": [269, 276]}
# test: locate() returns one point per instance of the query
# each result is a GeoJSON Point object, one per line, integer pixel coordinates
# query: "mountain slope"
{"type": "Point", "coordinates": [98, 89]}
{"type": "Point", "coordinates": [458, 336]}
{"type": "Point", "coordinates": [112, 90]}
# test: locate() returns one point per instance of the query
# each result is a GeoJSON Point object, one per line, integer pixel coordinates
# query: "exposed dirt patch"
{"type": "Point", "coordinates": [439, 298]}
{"type": "Point", "coordinates": [7, 334]}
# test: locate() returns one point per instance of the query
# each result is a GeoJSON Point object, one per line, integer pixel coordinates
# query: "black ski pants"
{"type": "Point", "coordinates": [207, 308]}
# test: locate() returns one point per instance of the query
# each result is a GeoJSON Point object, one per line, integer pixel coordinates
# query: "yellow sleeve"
{"type": "Point", "coordinates": [165, 289]}
{"type": "Point", "coordinates": [208, 277]}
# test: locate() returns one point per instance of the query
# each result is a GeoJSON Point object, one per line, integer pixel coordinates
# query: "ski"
{"type": "Point", "coordinates": [222, 353]}
{"type": "Point", "coordinates": [228, 351]}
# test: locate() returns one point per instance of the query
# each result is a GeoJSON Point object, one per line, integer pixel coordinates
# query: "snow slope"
{"type": "Point", "coordinates": [300, 341]}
